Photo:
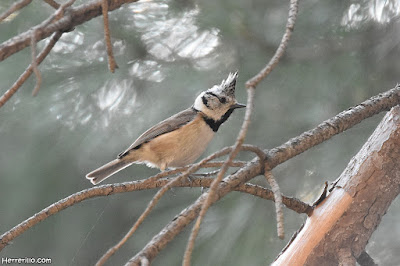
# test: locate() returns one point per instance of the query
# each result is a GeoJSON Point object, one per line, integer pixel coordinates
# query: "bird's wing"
{"type": "Point", "coordinates": [174, 122]}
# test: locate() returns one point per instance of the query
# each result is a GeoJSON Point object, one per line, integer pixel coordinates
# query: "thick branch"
{"type": "Point", "coordinates": [340, 227]}
{"type": "Point", "coordinates": [74, 16]}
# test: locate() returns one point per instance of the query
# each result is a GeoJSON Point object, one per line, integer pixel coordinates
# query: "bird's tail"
{"type": "Point", "coordinates": [107, 170]}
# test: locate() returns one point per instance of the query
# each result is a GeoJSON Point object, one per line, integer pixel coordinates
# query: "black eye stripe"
{"type": "Point", "coordinates": [221, 100]}
{"type": "Point", "coordinates": [213, 94]}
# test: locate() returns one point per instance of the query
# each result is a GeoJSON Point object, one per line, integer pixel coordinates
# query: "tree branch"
{"type": "Point", "coordinates": [52, 3]}
{"type": "Point", "coordinates": [15, 7]}
{"type": "Point", "coordinates": [150, 183]}
{"type": "Point", "coordinates": [9, 93]}
{"type": "Point", "coordinates": [112, 65]}
{"type": "Point", "coordinates": [35, 64]}
{"type": "Point", "coordinates": [333, 126]}
{"type": "Point", "coordinates": [75, 16]}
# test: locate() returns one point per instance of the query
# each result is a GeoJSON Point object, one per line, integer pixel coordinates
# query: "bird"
{"type": "Point", "coordinates": [180, 139]}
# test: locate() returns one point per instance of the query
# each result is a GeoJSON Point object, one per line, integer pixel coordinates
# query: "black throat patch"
{"type": "Point", "coordinates": [215, 124]}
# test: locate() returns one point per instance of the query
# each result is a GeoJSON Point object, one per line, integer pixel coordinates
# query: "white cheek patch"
{"type": "Point", "coordinates": [198, 103]}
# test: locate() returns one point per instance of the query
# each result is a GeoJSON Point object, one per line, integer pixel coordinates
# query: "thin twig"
{"type": "Point", "coordinates": [214, 186]}
{"type": "Point", "coordinates": [7, 95]}
{"type": "Point", "coordinates": [155, 200]}
{"type": "Point", "coordinates": [15, 7]}
{"type": "Point", "coordinates": [35, 64]}
{"type": "Point", "coordinates": [278, 203]}
{"type": "Point", "coordinates": [291, 203]}
{"type": "Point", "coordinates": [52, 3]}
{"type": "Point", "coordinates": [111, 60]}
{"type": "Point", "coordinates": [281, 49]}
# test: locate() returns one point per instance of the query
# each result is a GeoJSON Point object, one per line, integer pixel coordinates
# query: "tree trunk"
{"type": "Point", "coordinates": [341, 225]}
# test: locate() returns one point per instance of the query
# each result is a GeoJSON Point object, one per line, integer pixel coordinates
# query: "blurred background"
{"type": "Point", "coordinates": [341, 53]}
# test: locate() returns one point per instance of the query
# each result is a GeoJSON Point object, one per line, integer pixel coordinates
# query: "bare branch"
{"type": "Point", "coordinates": [333, 126]}
{"type": "Point", "coordinates": [15, 7]}
{"type": "Point", "coordinates": [111, 60]}
{"type": "Point", "coordinates": [291, 203]}
{"type": "Point", "coordinates": [34, 64]}
{"type": "Point", "coordinates": [7, 95]}
{"type": "Point", "coordinates": [75, 16]}
{"type": "Point", "coordinates": [150, 183]}
{"type": "Point", "coordinates": [252, 83]}
{"type": "Point", "coordinates": [52, 3]}
{"type": "Point", "coordinates": [219, 164]}
{"type": "Point", "coordinates": [278, 203]}
{"type": "Point", "coordinates": [259, 152]}
{"type": "Point", "coordinates": [59, 13]}
{"type": "Point", "coordinates": [214, 186]}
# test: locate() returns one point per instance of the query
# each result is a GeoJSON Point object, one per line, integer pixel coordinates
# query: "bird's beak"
{"type": "Point", "coordinates": [238, 105]}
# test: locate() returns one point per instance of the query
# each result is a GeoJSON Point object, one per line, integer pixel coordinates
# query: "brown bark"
{"type": "Point", "coordinates": [340, 226]}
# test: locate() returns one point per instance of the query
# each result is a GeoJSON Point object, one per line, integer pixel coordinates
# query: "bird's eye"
{"type": "Point", "coordinates": [222, 100]}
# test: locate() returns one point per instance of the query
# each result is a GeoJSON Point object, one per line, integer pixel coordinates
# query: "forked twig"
{"type": "Point", "coordinates": [7, 95]}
